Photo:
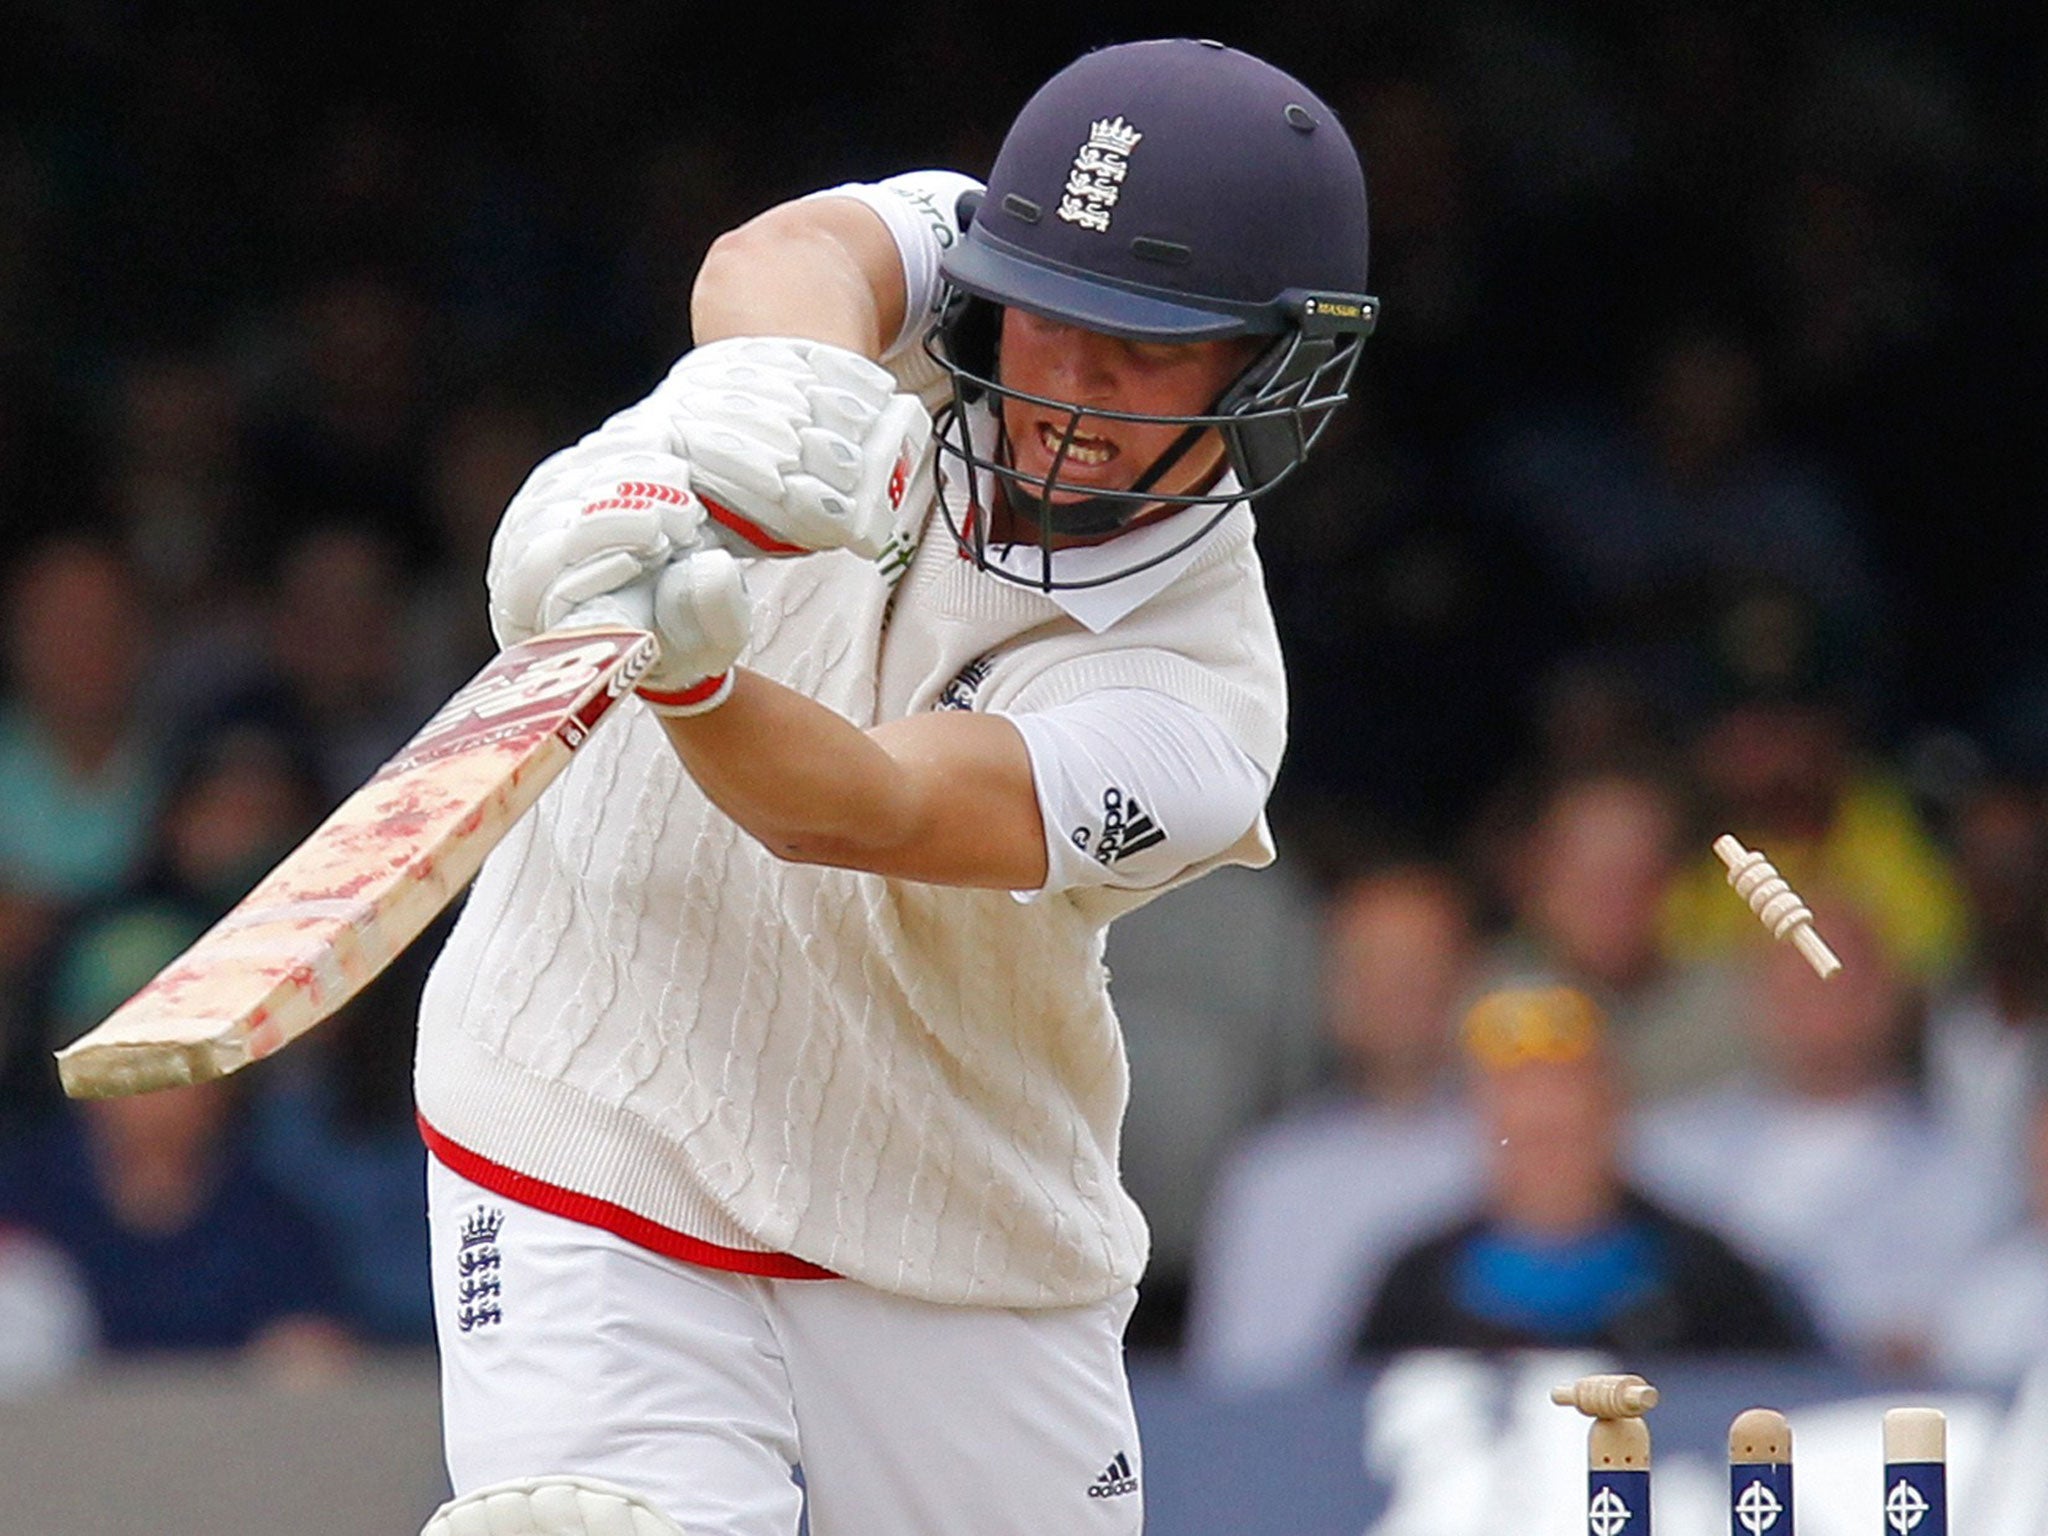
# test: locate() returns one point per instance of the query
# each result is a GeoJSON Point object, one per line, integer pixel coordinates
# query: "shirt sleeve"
{"type": "Point", "coordinates": [1135, 786]}
{"type": "Point", "coordinates": [922, 211]}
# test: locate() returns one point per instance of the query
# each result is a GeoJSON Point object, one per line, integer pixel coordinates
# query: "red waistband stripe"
{"type": "Point", "coordinates": [524, 1189]}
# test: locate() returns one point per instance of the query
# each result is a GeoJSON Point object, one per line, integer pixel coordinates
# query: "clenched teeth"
{"type": "Point", "coordinates": [1083, 450]}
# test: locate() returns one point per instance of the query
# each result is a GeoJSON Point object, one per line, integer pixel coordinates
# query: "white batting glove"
{"type": "Point", "coordinates": [582, 526]}
{"type": "Point", "coordinates": [794, 445]}
{"type": "Point", "coordinates": [702, 616]}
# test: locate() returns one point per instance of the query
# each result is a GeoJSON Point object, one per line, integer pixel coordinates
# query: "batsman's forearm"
{"type": "Point", "coordinates": [802, 779]}
{"type": "Point", "coordinates": [798, 270]}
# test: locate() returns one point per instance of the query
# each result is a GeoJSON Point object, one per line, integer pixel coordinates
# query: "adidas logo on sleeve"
{"type": "Point", "coordinates": [1127, 828]}
{"type": "Point", "coordinates": [1115, 1481]}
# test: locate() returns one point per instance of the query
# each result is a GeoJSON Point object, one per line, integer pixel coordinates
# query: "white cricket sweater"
{"type": "Point", "coordinates": [917, 1087]}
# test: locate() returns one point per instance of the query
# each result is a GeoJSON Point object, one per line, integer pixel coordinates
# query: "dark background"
{"type": "Point", "coordinates": [513, 198]}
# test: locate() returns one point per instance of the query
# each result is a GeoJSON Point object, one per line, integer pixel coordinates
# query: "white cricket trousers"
{"type": "Point", "coordinates": [565, 1349]}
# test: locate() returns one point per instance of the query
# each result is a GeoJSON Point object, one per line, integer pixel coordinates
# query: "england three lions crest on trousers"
{"type": "Point", "coordinates": [479, 1285]}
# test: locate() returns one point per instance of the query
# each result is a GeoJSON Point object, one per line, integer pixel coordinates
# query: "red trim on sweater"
{"type": "Point", "coordinates": [615, 1219]}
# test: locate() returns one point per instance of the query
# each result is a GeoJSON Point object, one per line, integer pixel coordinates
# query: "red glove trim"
{"type": "Point", "coordinates": [683, 698]}
{"type": "Point", "coordinates": [753, 533]}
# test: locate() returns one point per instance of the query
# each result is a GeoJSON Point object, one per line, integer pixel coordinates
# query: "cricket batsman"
{"type": "Point", "coordinates": [770, 1078]}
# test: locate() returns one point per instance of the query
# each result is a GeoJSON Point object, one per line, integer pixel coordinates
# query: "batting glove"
{"type": "Point", "coordinates": [794, 445]}
{"type": "Point", "coordinates": [584, 525]}
{"type": "Point", "coordinates": [702, 616]}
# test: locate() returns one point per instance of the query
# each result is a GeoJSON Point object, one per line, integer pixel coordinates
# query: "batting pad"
{"type": "Point", "coordinates": [549, 1506]}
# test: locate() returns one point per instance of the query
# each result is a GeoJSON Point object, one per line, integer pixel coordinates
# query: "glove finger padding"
{"type": "Point", "coordinates": [550, 556]}
{"type": "Point", "coordinates": [850, 371]}
{"type": "Point", "coordinates": [732, 469]}
{"type": "Point", "coordinates": [767, 419]}
{"type": "Point", "coordinates": [843, 413]}
{"type": "Point", "coordinates": [594, 577]}
{"type": "Point", "coordinates": [702, 616]}
{"type": "Point", "coordinates": [794, 445]}
{"type": "Point", "coordinates": [570, 558]}
{"type": "Point", "coordinates": [663, 480]}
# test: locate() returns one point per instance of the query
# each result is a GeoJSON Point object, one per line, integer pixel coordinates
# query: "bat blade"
{"type": "Point", "coordinates": [348, 900]}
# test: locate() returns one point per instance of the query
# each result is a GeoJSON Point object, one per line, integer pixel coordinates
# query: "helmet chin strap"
{"type": "Point", "coordinates": [1088, 516]}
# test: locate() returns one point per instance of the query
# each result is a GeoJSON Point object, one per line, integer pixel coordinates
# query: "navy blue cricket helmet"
{"type": "Point", "coordinates": [1165, 191]}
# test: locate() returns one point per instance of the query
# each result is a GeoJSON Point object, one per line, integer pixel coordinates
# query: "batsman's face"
{"type": "Point", "coordinates": [1096, 372]}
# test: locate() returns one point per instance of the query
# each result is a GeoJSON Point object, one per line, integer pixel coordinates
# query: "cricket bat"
{"type": "Point", "coordinates": [348, 900]}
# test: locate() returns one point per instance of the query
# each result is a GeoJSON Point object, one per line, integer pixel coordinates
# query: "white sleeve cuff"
{"type": "Point", "coordinates": [1135, 786]}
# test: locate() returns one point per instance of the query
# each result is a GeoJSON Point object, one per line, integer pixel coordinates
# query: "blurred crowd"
{"type": "Point", "coordinates": [1689, 489]}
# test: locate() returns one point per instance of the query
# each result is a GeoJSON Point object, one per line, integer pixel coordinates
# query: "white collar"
{"type": "Point", "coordinates": [1096, 608]}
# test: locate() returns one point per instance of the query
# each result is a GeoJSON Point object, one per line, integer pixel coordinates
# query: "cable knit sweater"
{"type": "Point", "coordinates": [914, 1086]}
